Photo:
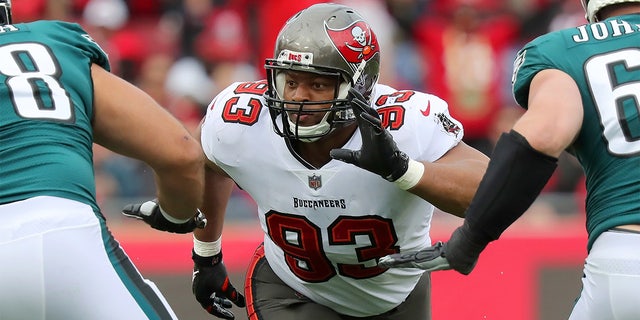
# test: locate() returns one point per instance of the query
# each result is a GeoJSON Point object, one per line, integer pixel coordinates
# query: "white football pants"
{"type": "Point", "coordinates": [611, 281]}
{"type": "Point", "coordinates": [59, 261]}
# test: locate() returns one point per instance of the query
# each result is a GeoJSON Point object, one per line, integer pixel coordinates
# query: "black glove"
{"type": "Point", "coordinates": [379, 153]}
{"type": "Point", "coordinates": [462, 250]}
{"type": "Point", "coordinates": [460, 253]}
{"type": "Point", "coordinates": [212, 288]}
{"type": "Point", "coordinates": [149, 212]}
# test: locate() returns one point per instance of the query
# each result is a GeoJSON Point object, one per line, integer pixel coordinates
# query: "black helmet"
{"type": "Point", "coordinates": [327, 39]}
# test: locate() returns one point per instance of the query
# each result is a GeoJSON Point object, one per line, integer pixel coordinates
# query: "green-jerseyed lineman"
{"type": "Point", "coordinates": [47, 111]}
{"type": "Point", "coordinates": [581, 89]}
{"type": "Point", "coordinates": [603, 60]}
{"type": "Point", "coordinates": [57, 97]}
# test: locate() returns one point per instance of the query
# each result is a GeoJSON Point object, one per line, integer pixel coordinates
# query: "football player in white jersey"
{"type": "Point", "coordinates": [343, 170]}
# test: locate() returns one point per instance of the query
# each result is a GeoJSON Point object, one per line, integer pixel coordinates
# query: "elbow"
{"type": "Point", "coordinates": [185, 160]}
{"type": "Point", "coordinates": [469, 190]}
{"type": "Point", "coordinates": [189, 156]}
{"type": "Point", "coordinates": [459, 209]}
{"type": "Point", "coordinates": [193, 156]}
{"type": "Point", "coordinates": [193, 163]}
{"type": "Point", "coordinates": [456, 206]}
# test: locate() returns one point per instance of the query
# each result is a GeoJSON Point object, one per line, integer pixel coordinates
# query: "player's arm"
{"type": "Point", "coordinates": [554, 116]}
{"type": "Point", "coordinates": [521, 164]}
{"type": "Point", "coordinates": [450, 182]}
{"type": "Point", "coordinates": [210, 281]}
{"type": "Point", "coordinates": [128, 121]}
{"type": "Point", "coordinates": [218, 189]}
{"type": "Point", "coordinates": [525, 158]}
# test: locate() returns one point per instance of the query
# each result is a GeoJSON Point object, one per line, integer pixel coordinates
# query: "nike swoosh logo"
{"type": "Point", "coordinates": [426, 111]}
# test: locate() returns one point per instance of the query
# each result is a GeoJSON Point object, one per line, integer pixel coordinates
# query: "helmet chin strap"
{"type": "Point", "coordinates": [303, 133]}
{"type": "Point", "coordinates": [356, 75]}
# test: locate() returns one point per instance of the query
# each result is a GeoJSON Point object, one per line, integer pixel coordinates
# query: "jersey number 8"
{"type": "Point", "coordinates": [32, 78]}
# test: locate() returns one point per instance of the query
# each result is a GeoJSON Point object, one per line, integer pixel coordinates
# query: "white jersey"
{"type": "Point", "coordinates": [324, 228]}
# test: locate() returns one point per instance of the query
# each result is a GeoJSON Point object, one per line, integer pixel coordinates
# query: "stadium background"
{"type": "Point", "coordinates": [183, 52]}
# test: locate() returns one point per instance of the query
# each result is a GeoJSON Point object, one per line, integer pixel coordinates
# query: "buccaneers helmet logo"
{"type": "Point", "coordinates": [355, 42]}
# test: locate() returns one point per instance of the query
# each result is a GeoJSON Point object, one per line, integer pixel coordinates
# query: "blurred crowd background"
{"type": "Point", "coordinates": [183, 52]}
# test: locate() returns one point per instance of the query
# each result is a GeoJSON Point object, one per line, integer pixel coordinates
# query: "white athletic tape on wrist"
{"type": "Point", "coordinates": [169, 217]}
{"type": "Point", "coordinates": [207, 249]}
{"type": "Point", "coordinates": [410, 178]}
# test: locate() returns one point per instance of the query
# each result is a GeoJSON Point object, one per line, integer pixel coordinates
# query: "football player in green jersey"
{"type": "Point", "coordinates": [57, 97]}
{"type": "Point", "coordinates": [581, 89]}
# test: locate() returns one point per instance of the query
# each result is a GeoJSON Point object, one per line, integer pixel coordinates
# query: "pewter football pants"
{"type": "Point", "coordinates": [269, 298]}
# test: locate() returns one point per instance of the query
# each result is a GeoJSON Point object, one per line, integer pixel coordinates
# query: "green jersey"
{"type": "Point", "coordinates": [604, 60]}
{"type": "Point", "coordinates": [46, 110]}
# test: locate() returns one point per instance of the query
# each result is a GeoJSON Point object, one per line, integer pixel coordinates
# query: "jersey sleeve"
{"type": "Point", "coordinates": [438, 132]}
{"type": "Point", "coordinates": [76, 36]}
{"type": "Point", "coordinates": [219, 138]}
{"type": "Point", "coordinates": [420, 122]}
{"type": "Point", "coordinates": [531, 59]}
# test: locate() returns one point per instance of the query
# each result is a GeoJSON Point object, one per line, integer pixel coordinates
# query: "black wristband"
{"type": "Point", "coordinates": [515, 177]}
{"type": "Point", "coordinates": [206, 261]}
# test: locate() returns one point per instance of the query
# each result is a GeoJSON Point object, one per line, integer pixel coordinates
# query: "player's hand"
{"type": "Point", "coordinates": [379, 153]}
{"type": "Point", "coordinates": [212, 288]}
{"type": "Point", "coordinates": [459, 253]}
{"type": "Point", "coordinates": [430, 259]}
{"type": "Point", "coordinates": [150, 213]}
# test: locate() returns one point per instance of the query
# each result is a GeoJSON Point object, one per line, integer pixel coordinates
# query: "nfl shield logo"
{"type": "Point", "coordinates": [315, 182]}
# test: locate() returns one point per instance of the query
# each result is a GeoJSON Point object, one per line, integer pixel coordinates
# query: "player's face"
{"type": "Point", "coordinates": [308, 87]}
